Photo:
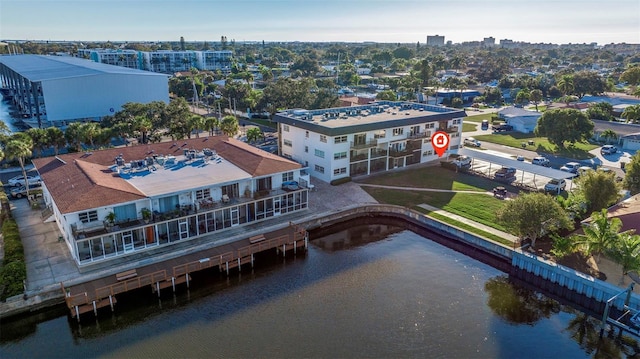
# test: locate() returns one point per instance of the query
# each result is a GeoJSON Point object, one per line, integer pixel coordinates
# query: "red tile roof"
{"type": "Point", "coordinates": [82, 181]}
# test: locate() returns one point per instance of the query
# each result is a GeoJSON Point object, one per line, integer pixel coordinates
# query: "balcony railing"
{"type": "Point", "coordinates": [366, 144]}
{"type": "Point", "coordinates": [450, 129]}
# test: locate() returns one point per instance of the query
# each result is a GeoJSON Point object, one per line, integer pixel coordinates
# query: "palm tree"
{"type": "Point", "coordinates": [211, 124]}
{"type": "Point", "coordinates": [565, 85]}
{"type": "Point", "coordinates": [143, 125]}
{"type": "Point", "coordinates": [600, 234]}
{"type": "Point", "coordinates": [196, 122]}
{"type": "Point", "coordinates": [254, 134]}
{"type": "Point", "coordinates": [39, 138]}
{"type": "Point", "coordinates": [19, 147]}
{"type": "Point", "coordinates": [609, 134]}
{"type": "Point", "coordinates": [89, 131]}
{"type": "Point", "coordinates": [229, 125]}
{"type": "Point", "coordinates": [632, 113]}
{"type": "Point", "coordinates": [55, 139]}
{"type": "Point", "coordinates": [626, 252]}
{"type": "Point", "coordinates": [73, 134]}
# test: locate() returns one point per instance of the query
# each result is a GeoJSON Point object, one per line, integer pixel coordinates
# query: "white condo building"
{"type": "Point", "coordinates": [352, 141]}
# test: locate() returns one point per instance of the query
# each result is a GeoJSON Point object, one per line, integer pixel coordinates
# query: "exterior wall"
{"type": "Point", "coordinates": [93, 97]}
{"type": "Point", "coordinates": [396, 150]}
{"type": "Point", "coordinates": [630, 144]}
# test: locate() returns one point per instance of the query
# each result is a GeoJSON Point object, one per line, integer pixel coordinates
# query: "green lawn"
{"type": "Point", "coordinates": [480, 208]}
{"type": "Point", "coordinates": [579, 151]}
{"type": "Point", "coordinates": [432, 177]}
{"type": "Point", "coordinates": [466, 227]}
{"type": "Point", "coordinates": [267, 123]}
{"type": "Point", "coordinates": [469, 127]}
{"type": "Point", "coordinates": [478, 118]}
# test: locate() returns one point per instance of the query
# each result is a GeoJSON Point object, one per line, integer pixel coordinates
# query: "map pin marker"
{"type": "Point", "coordinates": [440, 142]}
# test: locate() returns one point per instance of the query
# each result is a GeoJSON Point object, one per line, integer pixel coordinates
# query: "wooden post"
{"type": "Point", "coordinates": [95, 309]}
{"type": "Point", "coordinates": [284, 250]}
{"type": "Point", "coordinates": [173, 284]}
{"type": "Point", "coordinates": [227, 268]}
{"type": "Point", "coordinates": [251, 260]}
{"type": "Point", "coordinates": [111, 302]}
{"type": "Point", "coordinates": [239, 266]}
{"type": "Point", "coordinates": [77, 314]}
{"type": "Point", "coordinates": [186, 276]}
{"type": "Point", "coordinates": [158, 288]}
{"type": "Point", "coordinates": [295, 247]}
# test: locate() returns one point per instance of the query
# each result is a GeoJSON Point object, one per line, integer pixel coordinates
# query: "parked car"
{"type": "Point", "coordinates": [484, 125]}
{"type": "Point", "coordinates": [505, 174]}
{"type": "Point", "coordinates": [502, 127]}
{"type": "Point", "coordinates": [19, 192]}
{"type": "Point", "coordinates": [555, 185]}
{"type": "Point", "coordinates": [608, 149]}
{"type": "Point", "coordinates": [18, 181]}
{"type": "Point", "coordinates": [571, 167]}
{"type": "Point", "coordinates": [462, 161]}
{"type": "Point", "coordinates": [540, 161]}
{"type": "Point", "coordinates": [470, 141]}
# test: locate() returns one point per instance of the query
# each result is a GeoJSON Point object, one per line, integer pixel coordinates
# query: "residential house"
{"type": "Point", "coordinates": [522, 120]}
{"type": "Point", "coordinates": [114, 202]}
{"type": "Point", "coordinates": [351, 141]}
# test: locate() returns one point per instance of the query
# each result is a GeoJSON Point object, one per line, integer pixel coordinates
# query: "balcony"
{"type": "Point", "coordinates": [420, 135]}
{"type": "Point", "coordinates": [450, 129]}
{"type": "Point", "coordinates": [377, 153]}
{"type": "Point", "coordinates": [366, 144]}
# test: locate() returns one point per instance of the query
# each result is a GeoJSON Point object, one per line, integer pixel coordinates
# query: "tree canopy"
{"type": "Point", "coordinates": [532, 215]}
{"type": "Point", "coordinates": [632, 174]}
{"type": "Point", "coordinates": [564, 125]}
{"type": "Point", "coordinates": [599, 189]}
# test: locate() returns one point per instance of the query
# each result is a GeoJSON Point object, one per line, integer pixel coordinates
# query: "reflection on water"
{"type": "Point", "coordinates": [367, 291]}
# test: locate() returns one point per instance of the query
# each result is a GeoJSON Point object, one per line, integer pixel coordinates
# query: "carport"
{"type": "Point", "coordinates": [525, 167]}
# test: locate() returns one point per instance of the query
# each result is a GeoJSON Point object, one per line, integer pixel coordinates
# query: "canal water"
{"type": "Point", "coordinates": [371, 291]}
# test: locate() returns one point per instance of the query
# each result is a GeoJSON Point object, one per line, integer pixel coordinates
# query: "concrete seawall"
{"type": "Point", "coordinates": [510, 258]}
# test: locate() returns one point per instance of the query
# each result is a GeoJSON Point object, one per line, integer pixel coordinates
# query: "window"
{"type": "Point", "coordinates": [306, 134]}
{"type": "Point", "coordinates": [340, 139]}
{"type": "Point", "coordinates": [339, 155]}
{"type": "Point", "coordinates": [319, 153]}
{"type": "Point", "coordinates": [398, 131]}
{"type": "Point", "coordinates": [427, 153]}
{"type": "Point", "coordinates": [380, 134]}
{"type": "Point", "coordinates": [319, 169]}
{"type": "Point", "coordinates": [430, 125]}
{"type": "Point", "coordinates": [288, 143]}
{"type": "Point", "coordinates": [285, 128]}
{"type": "Point", "coordinates": [339, 171]}
{"type": "Point", "coordinates": [306, 149]}
{"type": "Point", "coordinates": [287, 176]}
{"type": "Point", "coordinates": [86, 217]}
{"type": "Point", "coordinates": [203, 193]}
{"type": "Point", "coordinates": [323, 138]}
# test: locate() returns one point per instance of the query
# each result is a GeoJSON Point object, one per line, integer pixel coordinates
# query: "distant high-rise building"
{"type": "Point", "coordinates": [435, 40]}
{"type": "Point", "coordinates": [489, 41]}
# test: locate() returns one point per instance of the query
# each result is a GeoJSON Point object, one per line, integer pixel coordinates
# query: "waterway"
{"type": "Point", "coordinates": [5, 115]}
{"type": "Point", "coordinates": [366, 292]}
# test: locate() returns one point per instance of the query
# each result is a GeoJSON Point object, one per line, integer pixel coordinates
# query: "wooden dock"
{"type": "Point", "coordinates": [93, 295]}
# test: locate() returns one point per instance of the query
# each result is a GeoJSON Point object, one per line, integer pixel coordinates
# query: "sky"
{"type": "Point", "coordinates": [404, 21]}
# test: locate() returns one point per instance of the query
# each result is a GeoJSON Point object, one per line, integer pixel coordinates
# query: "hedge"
{"type": "Point", "coordinates": [340, 181]}
{"type": "Point", "coordinates": [13, 271]}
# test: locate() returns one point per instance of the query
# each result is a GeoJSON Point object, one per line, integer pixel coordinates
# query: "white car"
{"type": "Point", "coordinates": [571, 167]}
{"type": "Point", "coordinates": [540, 161]}
{"type": "Point", "coordinates": [18, 181]}
{"type": "Point", "coordinates": [608, 149]}
{"type": "Point", "coordinates": [470, 141]}
{"type": "Point", "coordinates": [555, 185]}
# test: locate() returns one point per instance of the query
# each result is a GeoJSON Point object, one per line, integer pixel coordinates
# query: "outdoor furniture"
{"type": "Point", "coordinates": [225, 198]}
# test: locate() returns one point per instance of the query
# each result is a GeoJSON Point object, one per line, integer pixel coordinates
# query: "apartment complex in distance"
{"type": "Point", "coordinates": [359, 140]}
{"type": "Point", "coordinates": [435, 40]}
{"type": "Point", "coordinates": [164, 61]}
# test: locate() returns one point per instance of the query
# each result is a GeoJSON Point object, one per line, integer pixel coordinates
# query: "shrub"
{"type": "Point", "coordinates": [14, 270]}
{"type": "Point", "coordinates": [340, 181]}
{"type": "Point", "coordinates": [12, 275]}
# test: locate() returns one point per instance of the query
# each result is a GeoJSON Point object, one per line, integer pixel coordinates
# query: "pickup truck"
{"type": "Point", "coordinates": [505, 174]}
{"type": "Point", "coordinates": [502, 127]}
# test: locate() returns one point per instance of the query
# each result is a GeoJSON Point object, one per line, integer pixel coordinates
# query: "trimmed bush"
{"type": "Point", "coordinates": [340, 181]}
{"type": "Point", "coordinates": [14, 270]}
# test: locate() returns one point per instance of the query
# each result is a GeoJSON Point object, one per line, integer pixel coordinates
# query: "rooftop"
{"type": "Point", "coordinates": [81, 181]}
{"type": "Point", "coordinates": [378, 115]}
{"type": "Point", "coordinates": [42, 68]}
